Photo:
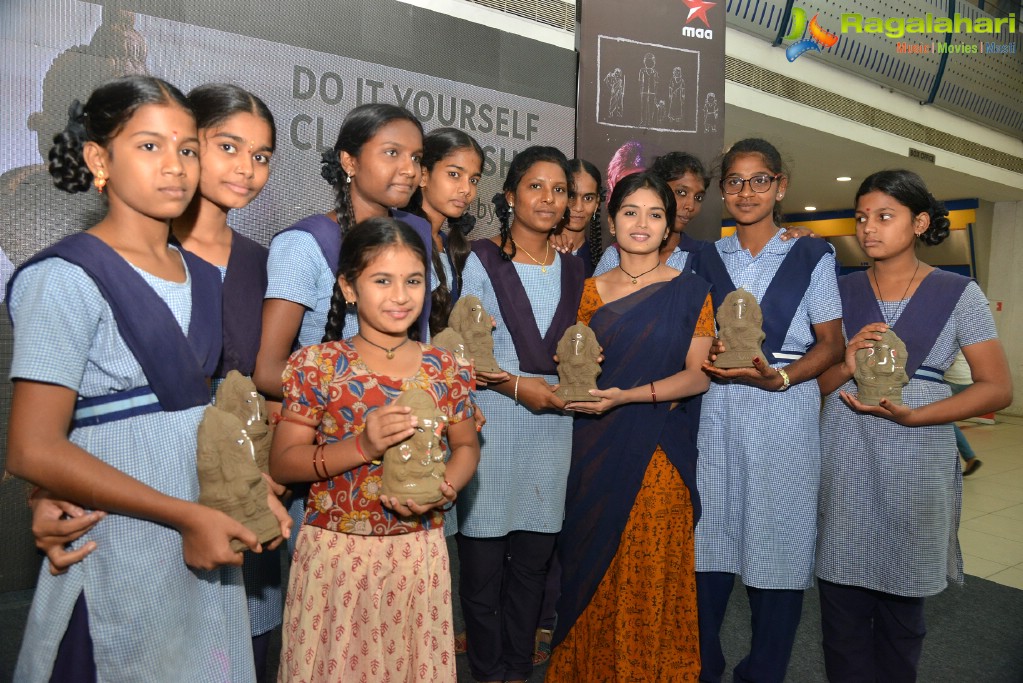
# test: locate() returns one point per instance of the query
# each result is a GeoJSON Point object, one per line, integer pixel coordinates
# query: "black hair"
{"type": "Point", "coordinates": [109, 108]}
{"type": "Point", "coordinates": [362, 243]}
{"type": "Point", "coordinates": [437, 145]}
{"type": "Point", "coordinates": [521, 163]}
{"type": "Point", "coordinates": [637, 181]}
{"type": "Point", "coordinates": [767, 151]}
{"type": "Point", "coordinates": [909, 189]}
{"type": "Point", "coordinates": [595, 234]}
{"type": "Point", "coordinates": [361, 124]}
{"type": "Point", "coordinates": [214, 103]}
{"type": "Point", "coordinates": [674, 165]}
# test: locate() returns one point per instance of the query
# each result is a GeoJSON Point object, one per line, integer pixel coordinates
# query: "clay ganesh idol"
{"type": "Point", "coordinates": [740, 328]}
{"type": "Point", "coordinates": [881, 370]}
{"type": "Point", "coordinates": [578, 366]}
{"type": "Point", "coordinates": [470, 320]}
{"type": "Point", "coordinates": [414, 468]}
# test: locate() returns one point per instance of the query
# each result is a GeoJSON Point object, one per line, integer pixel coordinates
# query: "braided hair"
{"type": "Point", "coordinates": [909, 189]}
{"type": "Point", "coordinates": [437, 146]}
{"type": "Point", "coordinates": [109, 108]}
{"type": "Point", "coordinates": [361, 124]}
{"type": "Point", "coordinates": [363, 242]}
{"type": "Point", "coordinates": [522, 162]}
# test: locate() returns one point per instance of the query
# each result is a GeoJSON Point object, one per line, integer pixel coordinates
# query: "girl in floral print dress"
{"type": "Point", "coordinates": [369, 598]}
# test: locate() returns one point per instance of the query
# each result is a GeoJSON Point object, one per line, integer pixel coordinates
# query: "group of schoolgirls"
{"type": "Point", "coordinates": [651, 537]}
{"type": "Point", "coordinates": [118, 332]}
{"type": "Point", "coordinates": [867, 498]}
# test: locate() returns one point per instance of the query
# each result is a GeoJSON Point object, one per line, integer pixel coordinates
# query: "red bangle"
{"type": "Point", "coordinates": [358, 449]}
{"type": "Point", "coordinates": [653, 394]}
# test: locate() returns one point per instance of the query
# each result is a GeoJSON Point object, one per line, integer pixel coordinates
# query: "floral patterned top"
{"type": "Point", "coordinates": [330, 385]}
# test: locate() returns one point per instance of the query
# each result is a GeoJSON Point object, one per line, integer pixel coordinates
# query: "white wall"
{"type": "Point", "coordinates": [1005, 288]}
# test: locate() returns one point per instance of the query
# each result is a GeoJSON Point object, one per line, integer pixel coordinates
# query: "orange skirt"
{"type": "Point", "coordinates": [641, 623]}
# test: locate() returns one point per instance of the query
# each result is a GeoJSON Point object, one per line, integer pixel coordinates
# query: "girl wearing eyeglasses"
{"type": "Point", "coordinates": [759, 444]}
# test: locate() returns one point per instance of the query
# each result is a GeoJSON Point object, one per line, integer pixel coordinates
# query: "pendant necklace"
{"type": "Point", "coordinates": [636, 277]}
{"type": "Point", "coordinates": [546, 253]}
{"type": "Point", "coordinates": [388, 351]}
{"type": "Point", "coordinates": [903, 301]}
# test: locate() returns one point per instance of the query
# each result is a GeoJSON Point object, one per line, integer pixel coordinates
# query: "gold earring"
{"type": "Point", "coordinates": [100, 181]}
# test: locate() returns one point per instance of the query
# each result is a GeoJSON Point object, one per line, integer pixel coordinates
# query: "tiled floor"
{"type": "Point", "coordinates": [991, 529]}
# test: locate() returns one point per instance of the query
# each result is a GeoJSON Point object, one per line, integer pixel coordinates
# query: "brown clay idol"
{"type": "Point", "coordinates": [414, 468]}
{"type": "Point", "coordinates": [449, 339]}
{"type": "Point", "coordinates": [881, 371]}
{"type": "Point", "coordinates": [229, 480]}
{"type": "Point", "coordinates": [740, 328]}
{"type": "Point", "coordinates": [578, 368]}
{"type": "Point", "coordinates": [238, 396]}
{"type": "Point", "coordinates": [469, 319]}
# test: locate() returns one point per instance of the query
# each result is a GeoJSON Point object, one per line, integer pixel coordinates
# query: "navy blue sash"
{"type": "Point", "coordinates": [244, 286]}
{"type": "Point", "coordinates": [327, 234]}
{"type": "Point", "coordinates": [176, 367]}
{"type": "Point", "coordinates": [535, 353]}
{"type": "Point", "coordinates": [611, 453]}
{"type": "Point", "coordinates": [920, 322]}
{"type": "Point", "coordinates": [783, 295]}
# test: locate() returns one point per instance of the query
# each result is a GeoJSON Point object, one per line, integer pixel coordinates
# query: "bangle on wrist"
{"type": "Point", "coordinates": [785, 383]}
{"type": "Point", "coordinates": [358, 449]}
{"type": "Point", "coordinates": [517, 378]}
{"type": "Point", "coordinates": [318, 462]}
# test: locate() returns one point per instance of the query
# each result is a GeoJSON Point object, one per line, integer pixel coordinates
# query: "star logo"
{"type": "Point", "coordinates": [698, 10]}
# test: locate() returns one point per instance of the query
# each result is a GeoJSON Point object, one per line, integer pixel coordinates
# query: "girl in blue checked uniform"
{"type": "Point", "coordinates": [891, 487]}
{"type": "Point", "coordinates": [757, 473]}
{"type": "Point", "coordinates": [237, 138]}
{"type": "Point", "coordinates": [105, 413]}
{"type": "Point", "coordinates": [515, 504]}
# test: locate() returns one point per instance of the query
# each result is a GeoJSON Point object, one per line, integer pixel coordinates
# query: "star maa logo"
{"type": "Point", "coordinates": [698, 10]}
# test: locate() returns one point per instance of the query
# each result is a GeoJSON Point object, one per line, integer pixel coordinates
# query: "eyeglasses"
{"type": "Point", "coordinates": [759, 183]}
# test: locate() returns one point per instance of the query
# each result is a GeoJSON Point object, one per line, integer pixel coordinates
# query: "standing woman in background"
{"type": "Point", "coordinates": [581, 233]}
{"type": "Point", "coordinates": [237, 138]}
{"type": "Point", "coordinates": [116, 335]}
{"type": "Point", "coordinates": [891, 487]}
{"type": "Point", "coordinates": [511, 511]}
{"type": "Point", "coordinates": [758, 425]}
{"type": "Point", "coordinates": [452, 167]}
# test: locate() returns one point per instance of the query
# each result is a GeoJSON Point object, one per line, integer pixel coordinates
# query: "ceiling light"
{"type": "Point", "coordinates": [810, 208]}
{"type": "Point", "coordinates": [843, 178]}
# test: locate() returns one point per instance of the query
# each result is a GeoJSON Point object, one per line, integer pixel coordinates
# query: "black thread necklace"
{"type": "Point", "coordinates": [388, 351]}
{"type": "Point", "coordinates": [636, 277]}
{"type": "Point", "coordinates": [902, 302]}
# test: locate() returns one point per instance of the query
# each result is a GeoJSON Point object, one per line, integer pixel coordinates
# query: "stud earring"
{"type": "Point", "coordinates": [780, 195]}
{"type": "Point", "coordinates": [100, 181]}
